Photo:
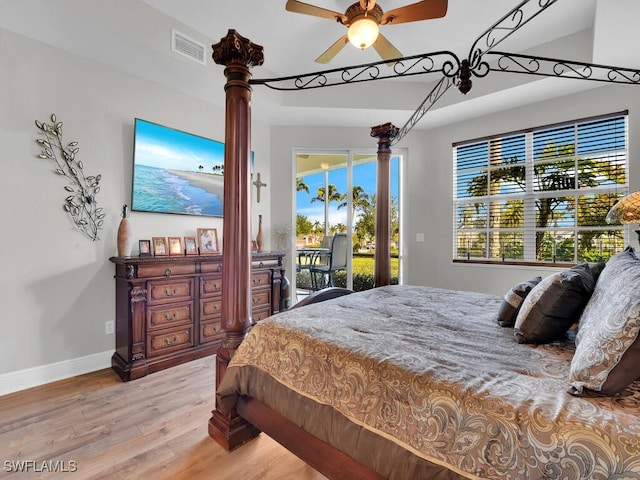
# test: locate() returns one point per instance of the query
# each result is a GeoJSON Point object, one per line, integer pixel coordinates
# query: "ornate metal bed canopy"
{"type": "Point", "coordinates": [457, 72]}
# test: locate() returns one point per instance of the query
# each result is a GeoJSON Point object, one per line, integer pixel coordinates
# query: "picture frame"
{"type": "Point", "coordinates": [208, 241]}
{"type": "Point", "coordinates": [175, 247]}
{"type": "Point", "coordinates": [190, 246]}
{"type": "Point", "coordinates": [160, 246]}
{"type": "Point", "coordinates": [144, 248]}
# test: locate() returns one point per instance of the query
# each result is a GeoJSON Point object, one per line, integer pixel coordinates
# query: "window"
{"type": "Point", "coordinates": [541, 195]}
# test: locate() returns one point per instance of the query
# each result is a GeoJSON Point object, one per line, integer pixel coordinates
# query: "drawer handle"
{"type": "Point", "coordinates": [256, 281]}
{"type": "Point", "coordinates": [217, 287]}
{"type": "Point", "coordinates": [172, 317]}
{"type": "Point", "coordinates": [217, 330]}
{"type": "Point", "coordinates": [171, 294]}
{"type": "Point", "coordinates": [216, 307]}
{"type": "Point", "coordinates": [175, 339]}
{"type": "Point", "coordinates": [220, 267]}
{"type": "Point", "coordinates": [168, 272]}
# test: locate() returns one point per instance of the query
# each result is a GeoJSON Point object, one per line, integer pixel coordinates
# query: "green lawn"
{"type": "Point", "coordinates": [364, 264]}
{"type": "Point", "coordinates": [362, 273]}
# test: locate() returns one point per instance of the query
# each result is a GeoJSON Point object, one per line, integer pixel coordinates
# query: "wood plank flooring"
{"type": "Point", "coordinates": [151, 428]}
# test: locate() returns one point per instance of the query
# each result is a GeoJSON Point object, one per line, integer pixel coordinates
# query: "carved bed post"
{"type": "Point", "coordinates": [237, 54]}
{"type": "Point", "coordinates": [382, 254]}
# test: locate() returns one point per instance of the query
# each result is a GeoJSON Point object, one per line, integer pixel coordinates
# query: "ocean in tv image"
{"type": "Point", "coordinates": [176, 172]}
{"type": "Point", "coordinates": [158, 190]}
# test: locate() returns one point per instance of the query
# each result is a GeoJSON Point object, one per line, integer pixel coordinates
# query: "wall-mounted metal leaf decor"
{"type": "Point", "coordinates": [80, 204]}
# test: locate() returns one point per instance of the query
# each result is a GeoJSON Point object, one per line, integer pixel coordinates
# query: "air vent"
{"type": "Point", "coordinates": [188, 47]}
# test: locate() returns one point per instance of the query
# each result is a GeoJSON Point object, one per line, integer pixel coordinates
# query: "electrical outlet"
{"type": "Point", "coordinates": [109, 327]}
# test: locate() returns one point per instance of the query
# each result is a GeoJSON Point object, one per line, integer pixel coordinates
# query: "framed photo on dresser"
{"type": "Point", "coordinates": [190, 246]}
{"type": "Point", "coordinates": [160, 246]}
{"type": "Point", "coordinates": [175, 246]}
{"type": "Point", "coordinates": [144, 247]}
{"type": "Point", "coordinates": [208, 241]}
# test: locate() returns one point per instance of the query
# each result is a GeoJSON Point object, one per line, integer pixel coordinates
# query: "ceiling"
{"type": "Point", "coordinates": [134, 36]}
{"type": "Point", "coordinates": [292, 41]}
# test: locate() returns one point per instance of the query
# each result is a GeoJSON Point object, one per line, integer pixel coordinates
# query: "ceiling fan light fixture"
{"type": "Point", "coordinates": [363, 32]}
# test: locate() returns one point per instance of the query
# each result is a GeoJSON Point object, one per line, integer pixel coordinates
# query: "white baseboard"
{"type": "Point", "coordinates": [33, 377]}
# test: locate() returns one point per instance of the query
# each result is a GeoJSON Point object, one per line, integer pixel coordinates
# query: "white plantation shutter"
{"type": "Point", "coordinates": [541, 195]}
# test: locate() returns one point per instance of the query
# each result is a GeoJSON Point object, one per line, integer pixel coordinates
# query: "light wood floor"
{"type": "Point", "coordinates": [151, 428]}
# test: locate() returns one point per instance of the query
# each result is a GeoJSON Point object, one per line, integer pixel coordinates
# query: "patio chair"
{"type": "Point", "coordinates": [322, 274]}
{"type": "Point", "coordinates": [306, 258]}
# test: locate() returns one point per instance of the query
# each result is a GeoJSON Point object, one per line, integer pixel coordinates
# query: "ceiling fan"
{"type": "Point", "coordinates": [363, 19]}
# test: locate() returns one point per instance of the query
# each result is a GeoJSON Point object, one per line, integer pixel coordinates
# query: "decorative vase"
{"type": "Point", "coordinates": [125, 238]}
{"type": "Point", "coordinates": [259, 235]}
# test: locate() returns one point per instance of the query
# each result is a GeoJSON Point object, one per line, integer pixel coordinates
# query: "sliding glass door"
{"type": "Point", "coordinates": [336, 194]}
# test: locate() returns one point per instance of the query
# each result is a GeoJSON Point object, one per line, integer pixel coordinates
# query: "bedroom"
{"type": "Point", "coordinates": [56, 299]}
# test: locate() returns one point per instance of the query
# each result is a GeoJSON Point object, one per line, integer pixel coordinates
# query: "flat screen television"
{"type": "Point", "coordinates": [176, 172]}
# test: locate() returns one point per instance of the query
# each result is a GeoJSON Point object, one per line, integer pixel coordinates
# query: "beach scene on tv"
{"type": "Point", "coordinates": [176, 172]}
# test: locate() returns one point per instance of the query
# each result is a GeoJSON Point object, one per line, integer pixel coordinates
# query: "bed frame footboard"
{"type": "Point", "coordinates": [328, 460]}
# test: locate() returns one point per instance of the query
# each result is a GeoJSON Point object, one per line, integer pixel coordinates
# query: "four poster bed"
{"type": "Point", "coordinates": [408, 382]}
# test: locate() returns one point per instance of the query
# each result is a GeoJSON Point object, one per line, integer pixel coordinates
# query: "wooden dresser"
{"type": "Point", "coordinates": [168, 309]}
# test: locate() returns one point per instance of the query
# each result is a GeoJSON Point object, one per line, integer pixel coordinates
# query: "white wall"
{"type": "Point", "coordinates": [57, 287]}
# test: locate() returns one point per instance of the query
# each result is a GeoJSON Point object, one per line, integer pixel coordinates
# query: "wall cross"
{"type": "Point", "coordinates": [259, 184]}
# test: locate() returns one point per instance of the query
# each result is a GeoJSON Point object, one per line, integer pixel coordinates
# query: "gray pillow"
{"type": "Point", "coordinates": [554, 305]}
{"type": "Point", "coordinates": [607, 357]}
{"type": "Point", "coordinates": [512, 301]}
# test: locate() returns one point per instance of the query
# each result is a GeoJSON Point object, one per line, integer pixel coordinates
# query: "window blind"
{"type": "Point", "coordinates": [541, 194]}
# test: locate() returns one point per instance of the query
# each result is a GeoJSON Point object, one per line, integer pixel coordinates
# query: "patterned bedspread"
{"type": "Point", "coordinates": [431, 371]}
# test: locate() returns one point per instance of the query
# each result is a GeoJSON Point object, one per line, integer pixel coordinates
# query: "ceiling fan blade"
{"type": "Point", "coordinates": [385, 49]}
{"type": "Point", "coordinates": [423, 10]}
{"type": "Point", "coordinates": [333, 50]}
{"type": "Point", "coordinates": [300, 7]}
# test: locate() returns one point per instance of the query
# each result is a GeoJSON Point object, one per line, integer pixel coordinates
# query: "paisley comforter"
{"type": "Point", "coordinates": [407, 379]}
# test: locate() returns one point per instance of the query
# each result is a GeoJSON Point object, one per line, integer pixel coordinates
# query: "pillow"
{"type": "Point", "coordinates": [607, 357]}
{"type": "Point", "coordinates": [553, 305]}
{"type": "Point", "coordinates": [596, 269]}
{"type": "Point", "coordinates": [513, 300]}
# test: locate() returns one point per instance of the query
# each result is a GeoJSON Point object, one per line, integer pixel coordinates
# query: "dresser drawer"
{"type": "Point", "coordinates": [163, 316]}
{"type": "Point", "coordinates": [210, 285]}
{"type": "Point", "coordinates": [260, 313]}
{"type": "Point", "coordinates": [166, 341]}
{"type": "Point", "coordinates": [210, 331]}
{"type": "Point", "coordinates": [272, 262]}
{"type": "Point", "coordinates": [166, 270]}
{"type": "Point", "coordinates": [260, 297]}
{"type": "Point", "coordinates": [211, 267]}
{"type": "Point", "coordinates": [174, 290]}
{"type": "Point", "coordinates": [261, 279]}
{"type": "Point", "coordinates": [210, 308]}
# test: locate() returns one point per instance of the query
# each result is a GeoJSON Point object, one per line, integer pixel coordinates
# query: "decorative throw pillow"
{"type": "Point", "coordinates": [553, 305]}
{"type": "Point", "coordinates": [596, 269]}
{"type": "Point", "coordinates": [607, 357]}
{"type": "Point", "coordinates": [513, 300]}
